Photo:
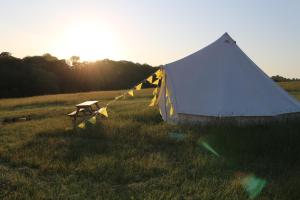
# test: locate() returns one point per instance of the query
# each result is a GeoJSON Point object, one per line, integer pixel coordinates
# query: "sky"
{"type": "Point", "coordinates": [156, 32]}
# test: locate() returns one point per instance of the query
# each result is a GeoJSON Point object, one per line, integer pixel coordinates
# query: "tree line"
{"type": "Point", "coordinates": [278, 78]}
{"type": "Point", "coordinates": [46, 74]}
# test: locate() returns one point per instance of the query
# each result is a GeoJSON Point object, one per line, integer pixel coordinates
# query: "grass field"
{"type": "Point", "coordinates": [133, 154]}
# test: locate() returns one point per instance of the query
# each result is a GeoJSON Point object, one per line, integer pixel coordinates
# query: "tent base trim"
{"type": "Point", "coordinates": [237, 120]}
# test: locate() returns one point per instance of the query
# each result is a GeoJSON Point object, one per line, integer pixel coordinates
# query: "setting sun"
{"type": "Point", "coordinates": [90, 41]}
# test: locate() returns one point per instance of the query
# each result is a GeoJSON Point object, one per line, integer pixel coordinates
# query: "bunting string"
{"type": "Point", "coordinates": [103, 111]}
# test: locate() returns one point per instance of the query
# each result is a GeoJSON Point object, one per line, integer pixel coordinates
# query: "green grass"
{"type": "Point", "coordinates": [292, 87]}
{"type": "Point", "coordinates": [135, 155]}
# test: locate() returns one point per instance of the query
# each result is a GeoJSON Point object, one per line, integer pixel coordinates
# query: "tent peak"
{"type": "Point", "coordinates": [227, 38]}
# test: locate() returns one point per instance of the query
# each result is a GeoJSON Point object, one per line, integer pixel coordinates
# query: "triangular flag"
{"type": "Point", "coordinates": [153, 101]}
{"type": "Point", "coordinates": [93, 120]}
{"type": "Point", "coordinates": [168, 101]}
{"type": "Point", "coordinates": [167, 92]}
{"type": "Point", "coordinates": [139, 86]}
{"type": "Point", "coordinates": [81, 125]}
{"type": "Point", "coordinates": [150, 79]}
{"type": "Point", "coordinates": [155, 91]}
{"type": "Point", "coordinates": [158, 74]}
{"type": "Point", "coordinates": [160, 112]}
{"type": "Point", "coordinates": [171, 110]}
{"type": "Point", "coordinates": [119, 97]}
{"type": "Point", "coordinates": [156, 82]}
{"type": "Point", "coordinates": [103, 111]}
{"type": "Point", "coordinates": [130, 92]}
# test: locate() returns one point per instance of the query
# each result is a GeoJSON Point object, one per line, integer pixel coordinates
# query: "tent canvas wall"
{"type": "Point", "coordinates": [220, 82]}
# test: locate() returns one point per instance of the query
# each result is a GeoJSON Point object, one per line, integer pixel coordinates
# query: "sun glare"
{"type": "Point", "coordinates": [87, 40]}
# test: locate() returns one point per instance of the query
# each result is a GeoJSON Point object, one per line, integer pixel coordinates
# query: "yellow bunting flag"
{"type": "Point", "coordinates": [158, 74]}
{"type": "Point", "coordinates": [139, 86]}
{"type": "Point", "coordinates": [150, 79]}
{"type": "Point", "coordinates": [156, 82]}
{"type": "Point", "coordinates": [103, 111]}
{"type": "Point", "coordinates": [168, 101]}
{"type": "Point", "coordinates": [167, 92]}
{"type": "Point", "coordinates": [81, 125]}
{"type": "Point", "coordinates": [93, 120]}
{"type": "Point", "coordinates": [130, 92]}
{"type": "Point", "coordinates": [119, 97]}
{"type": "Point", "coordinates": [155, 91]}
{"type": "Point", "coordinates": [171, 110]}
{"type": "Point", "coordinates": [160, 111]}
{"type": "Point", "coordinates": [153, 101]}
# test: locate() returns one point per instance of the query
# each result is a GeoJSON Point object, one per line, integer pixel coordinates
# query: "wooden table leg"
{"type": "Point", "coordinates": [90, 110]}
{"type": "Point", "coordinates": [76, 114]}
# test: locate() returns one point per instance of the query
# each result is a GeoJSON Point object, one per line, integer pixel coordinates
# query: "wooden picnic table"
{"type": "Point", "coordinates": [86, 107]}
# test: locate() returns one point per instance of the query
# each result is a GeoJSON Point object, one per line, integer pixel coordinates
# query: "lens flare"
{"type": "Point", "coordinates": [253, 185]}
{"type": "Point", "coordinates": [208, 148]}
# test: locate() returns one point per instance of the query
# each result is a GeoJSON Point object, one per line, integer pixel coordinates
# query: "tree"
{"type": "Point", "coordinates": [49, 57]}
{"type": "Point", "coordinates": [74, 60]}
{"type": "Point", "coordinates": [278, 78]}
{"type": "Point", "coordinates": [5, 54]}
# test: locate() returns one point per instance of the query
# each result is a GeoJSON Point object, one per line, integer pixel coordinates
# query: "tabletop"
{"type": "Point", "coordinates": [86, 103]}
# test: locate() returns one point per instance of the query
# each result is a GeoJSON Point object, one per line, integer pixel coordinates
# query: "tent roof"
{"type": "Point", "coordinates": [220, 80]}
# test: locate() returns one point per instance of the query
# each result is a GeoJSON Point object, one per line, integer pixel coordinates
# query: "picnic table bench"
{"type": "Point", "coordinates": [86, 107]}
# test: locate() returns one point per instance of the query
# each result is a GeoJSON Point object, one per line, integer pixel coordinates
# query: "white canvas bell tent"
{"type": "Point", "coordinates": [220, 82]}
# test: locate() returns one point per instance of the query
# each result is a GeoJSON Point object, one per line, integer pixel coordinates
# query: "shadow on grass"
{"type": "Point", "coordinates": [273, 141]}
{"type": "Point", "coordinates": [265, 149]}
{"type": "Point", "coordinates": [101, 152]}
{"type": "Point", "coordinates": [130, 152]}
